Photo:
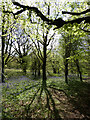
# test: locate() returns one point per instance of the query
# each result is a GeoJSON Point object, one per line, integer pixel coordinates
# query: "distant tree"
{"type": "Point", "coordinates": [35, 64]}
{"type": "Point", "coordinates": [66, 44]}
{"type": "Point", "coordinates": [54, 60]}
{"type": "Point", "coordinates": [7, 23]}
{"type": "Point", "coordinates": [22, 47]}
{"type": "Point", "coordinates": [40, 43]}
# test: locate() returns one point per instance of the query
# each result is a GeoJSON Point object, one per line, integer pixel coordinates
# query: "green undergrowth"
{"type": "Point", "coordinates": [27, 99]}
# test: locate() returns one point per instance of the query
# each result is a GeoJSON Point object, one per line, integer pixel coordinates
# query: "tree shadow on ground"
{"type": "Point", "coordinates": [79, 97]}
{"type": "Point", "coordinates": [40, 106]}
{"type": "Point", "coordinates": [51, 103]}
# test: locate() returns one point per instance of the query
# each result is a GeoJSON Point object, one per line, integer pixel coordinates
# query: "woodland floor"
{"type": "Point", "coordinates": [74, 103]}
{"type": "Point", "coordinates": [72, 108]}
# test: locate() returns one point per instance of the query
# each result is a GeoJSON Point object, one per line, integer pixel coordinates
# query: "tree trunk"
{"type": "Point", "coordinates": [24, 70]}
{"type": "Point", "coordinates": [2, 54]}
{"type": "Point", "coordinates": [54, 70]}
{"type": "Point", "coordinates": [53, 67]}
{"type": "Point", "coordinates": [35, 69]}
{"type": "Point", "coordinates": [79, 71]}
{"type": "Point", "coordinates": [58, 71]}
{"type": "Point", "coordinates": [44, 66]}
{"type": "Point", "coordinates": [39, 68]}
{"type": "Point", "coordinates": [24, 66]}
{"type": "Point", "coordinates": [66, 71]}
{"type": "Point", "coordinates": [67, 54]}
{"type": "Point", "coordinates": [2, 71]}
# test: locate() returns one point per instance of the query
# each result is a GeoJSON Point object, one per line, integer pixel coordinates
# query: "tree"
{"type": "Point", "coordinates": [66, 44]}
{"type": "Point", "coordinates": [35, 64]}
{"type": "Point", "coordinates": [6, 37]}
{"type": "Point", "coordinates": [22, 47]}
{"type": "Point", "coordinates": [54, 60]}
{"type": "Point", "coordinates": [39, 34]}
{"type": "Point", "coordinates": [9, 53]}
{"type": "Point", "coordinates": [3, 41]}
{"type": "Point", "coordinates": [40, 43]}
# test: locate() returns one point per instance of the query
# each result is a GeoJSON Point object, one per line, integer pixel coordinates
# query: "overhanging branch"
{"type": "Point", "coordinates": [75, 13]}
{"type": "Point", "coordinates": [58, 22]}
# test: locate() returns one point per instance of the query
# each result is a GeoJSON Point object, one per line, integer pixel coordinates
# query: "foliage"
{"type": "Point", "coordinates": [32, 40]}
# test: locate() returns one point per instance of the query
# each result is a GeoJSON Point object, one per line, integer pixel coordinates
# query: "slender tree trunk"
{"type": "Point", "coordinates": [44, 66]}
{"type": "Point", "coordinates": [2, 54]}
{"type": "Point", "coordinates": [24, 65]}
{"type": "Point", "coordinates": [39, 67]}
{"type": "Point", "coordinates": [66, 71]}
{"type": "Point", "coordinates": [35, 73]}
{"type": "Point", "coordinates": [67, 54]}
{"type": "Point", "coordinates": [35, 68]}
{"type": "Point", "coordinates": [53, 67]}
{"type": "Point", "coordinates": [79, 71]}
{"type": "Point", "coordinates": [2, 71]}
{"type": "Point", "coordinates": [58, 71]}
{"type": "Point", "coordinates": [54, 70]}
{"type": "Point", "coordinates": [24, 70]}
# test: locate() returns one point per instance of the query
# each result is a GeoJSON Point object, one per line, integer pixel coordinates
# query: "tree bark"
{"type": "Point", "coordinates": [66, 70]}
{"type": "Point", "coordinates": [44, 64]}
{"type": "Point", "coordinates": [39, 68]}
{"type": "Point", "coordinates": [35, 68]}
{"type": "Point", "coordinates": [2, 54]}
{"type": "Point", "coordinates": [54, 70]}
{"type": "Point", "coordinates": [79, 71]}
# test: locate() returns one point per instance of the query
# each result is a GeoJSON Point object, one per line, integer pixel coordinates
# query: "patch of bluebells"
{"type": "Point", "coordinates": [72, 77]}
{"type": "Point", "coordinates": [15, 86]}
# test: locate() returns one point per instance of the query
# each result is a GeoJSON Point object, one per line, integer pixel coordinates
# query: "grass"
{"type": "Point", "coordinates": [22, 100]}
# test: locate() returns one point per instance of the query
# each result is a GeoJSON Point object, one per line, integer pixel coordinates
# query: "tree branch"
{"type": "Point", "coordinates": [50, 38]}
{"type": "Point", "coordinates": [75, 13]}
{"type": "Point", "coordinates": [58, 22]}
{"type": "Point", "coordinates": [38, 12]}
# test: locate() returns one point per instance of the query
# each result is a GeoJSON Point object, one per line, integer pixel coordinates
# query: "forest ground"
{"type": "Point", "coordinates": [73, 103]}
